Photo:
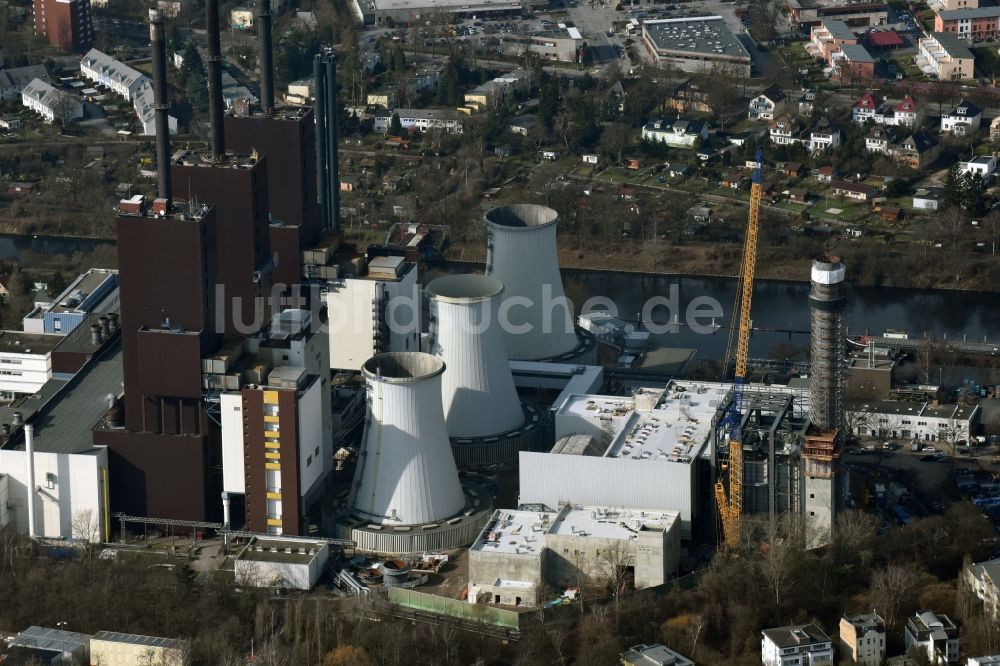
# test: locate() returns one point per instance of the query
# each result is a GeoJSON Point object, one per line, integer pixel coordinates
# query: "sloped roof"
{"type": "Point", "coordinates": [885, 38]}
{"type": "Point", "coordinates": [868, 101]}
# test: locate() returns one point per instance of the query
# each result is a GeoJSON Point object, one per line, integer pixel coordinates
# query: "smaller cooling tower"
{"type": "Point", "coordinates": [521, 253]}
{"type": "Point", "coordinates": [478, 390]}
{"type": "Point", "coordinates": [406, 474]}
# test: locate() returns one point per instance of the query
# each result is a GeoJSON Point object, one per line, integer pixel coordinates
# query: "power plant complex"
{"type": "Point", "coordinates": [269, 379]}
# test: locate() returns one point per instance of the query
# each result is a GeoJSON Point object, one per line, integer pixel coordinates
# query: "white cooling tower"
{"type": "Point", "coordinates": [478, 390]}
{"type": "Point", "coordinates": [406, 474]}
{"type": "Point", "coordinates": [521, 253]}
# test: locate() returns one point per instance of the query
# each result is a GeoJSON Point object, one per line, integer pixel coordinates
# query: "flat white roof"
{"type": "Point", "coordinates": [518, 532]}
{"type": "Point", "coordinates": [672, 424]}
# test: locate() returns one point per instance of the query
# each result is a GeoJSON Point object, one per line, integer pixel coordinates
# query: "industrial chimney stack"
{"type": "Point", "coordinates": [827, 301]}
{"type": "Point", "coordinates": [327, 163]}
{"type": "Point", "coordinates": [265, 57]}
{"type": "Point", "coordinates": [215, 106]}
{"type": "Point", "coordinates": [161, 103]}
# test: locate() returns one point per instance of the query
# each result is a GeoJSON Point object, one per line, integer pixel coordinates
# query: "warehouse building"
{"type": "Point", "coordinates": [694, 44]}
{"type": "Point", "coordinates": [560, 44]}
{"type": "Point", "coordinates": [112, 648]}
{"type": "Point", "coordinates": [94, 291]}
{"type": "Point", "coordinates": [640, 452]}
{"type": "Point", "coordinates": [521, 551]}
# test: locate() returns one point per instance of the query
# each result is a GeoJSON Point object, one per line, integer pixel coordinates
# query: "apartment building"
{"type": "Point", "coordinates": [862, 638]}
{"type": "Point", "coordinates": [422, 120]}
{"type": "Point", "coordinates": [970, 24]}
{"type": "Point", "coordinates": [800, 645]}
{"type": "Point", "coordinates": [944, 56]}
{"type": "Point", "coordinates": [935, 634]}
{"type": "Point", "coordinates": [984, 579]}
{"type": "Point", "coordinates": [50, 103]}
{"type": "Point", "coordinates": [66, 24]}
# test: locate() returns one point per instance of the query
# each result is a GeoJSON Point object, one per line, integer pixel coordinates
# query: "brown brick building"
{"type": "Point", "coordinates": [66, 24]}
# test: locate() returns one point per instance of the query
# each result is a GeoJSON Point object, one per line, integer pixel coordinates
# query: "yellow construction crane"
{"type": "Point", "coordinates": [731, 506]}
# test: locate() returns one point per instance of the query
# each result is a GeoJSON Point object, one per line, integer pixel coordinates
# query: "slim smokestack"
{"type": "Point", "coordinates": [215, 80]}
{"type": "Point", "coordinates": [828, 367]}
{"type": "Point", "coordinates": [319, 90]}
{"type": "Point", "coordinates": [161, 103]}
{"type": "Point", "coordinates": [29, 461]}
{"type": "Point", "coordinates": [325, 74]}
{"type": "Point", "coordinates": [265, 57]}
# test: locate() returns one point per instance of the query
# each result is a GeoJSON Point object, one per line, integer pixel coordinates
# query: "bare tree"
{"type": "Point", "coordinates": [616, 138]}
{"type": "Point", "coordinates": [891, 589]}
{"type": "Point", "coordinates": [781, 549]}
{"type": "Point", "coordinates": [86, 528]}
{"type": "Point", "coordinates": [614, 564]}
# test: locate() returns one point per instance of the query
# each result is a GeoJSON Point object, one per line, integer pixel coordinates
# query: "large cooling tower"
{"type": "Point", "coordinates": [478, 390]}
{"type": "Point", "coordinates": [521, 253]}
{"type": "Point", "coordinates": [406, 473]}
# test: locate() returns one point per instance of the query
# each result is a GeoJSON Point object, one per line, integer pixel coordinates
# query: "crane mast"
{"type": "Point", "coordinates": [731, 506]}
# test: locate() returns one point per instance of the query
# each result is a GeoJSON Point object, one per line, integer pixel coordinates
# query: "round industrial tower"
{"type": "Point", "coordinates": [406, 495]}
{"type": "Point", "coordinates": [486, 421]}
{"type": "Point", "coordinates": [828, 366]}
{"type": "Point", "coordinates": [537, 319]}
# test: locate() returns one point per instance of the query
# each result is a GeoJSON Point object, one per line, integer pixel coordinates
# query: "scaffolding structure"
{"type": "Point", "coordinates": [827, 328]}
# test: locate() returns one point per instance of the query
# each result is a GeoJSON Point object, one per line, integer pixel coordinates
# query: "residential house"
{"type": "Point", "coordinates": [14, 79]}
{"type": "Point", "coordinates": [824, 136]}
{"type": "Point", "coordinates": [862, 638]}
{"type": "Point", "coordinates": [798, 195]}
{"type": "Point", "coordinates": [927, 198]}
{"type": "Point", "coordinates": [917, 150]}
{"type": "Point", "coordinates": [905, 113]}
{"type": "Point", "coordinates": [856, 191]}
{"type": "Point", "coordinates": [50, 103]}
{"type": "Point", "coordinates": [983, 166]}
{"type": "Point", "coordinates": [995, 129]}
{"type": "Point", "coordinates": [768, 104]}
{"type": "Point", "coordinates": [963, 120]}
{"type": "Point", "coordinates": [20, 189]}
{"type": "Point", "coordinates": [653, 655]}
{"type": "Point", "coordinates": [881, 139]}
{"type": "Point", "coordinates": [108, 72]}
{"type": "Point", "coordinates": [984, 580]}
{"type": "Point", "coordinates": [733, 180]}
{"type": "Point", "coordinates": [935, 634]}
{"type": "Point", "coordinates": [802, 645]}
{"type": "Point", "coordinates": [422, 120]}
{"type": "Point", "coordinates": [785, 131]}
{"type": "Point", "coordinates": [890, 213]}
{"type": "Point", "coordinates": [677, 169]}
{"type": "Point", "coordinates": [687, 97]}
{"type": "Point", "coordinates": [632, 163]}
{"type": "Point", "coordinates": [866, 107]}
{"type": "Point", "coordinates": [826, 174]}
{"type": "Point", "coordinates": [9, 122]}
{"type": "Point", "coordinates": [854, 63]}
{"type": "Point", "coordinates": [589, 159]}
{"type": "Point", "coordinates": [806, 103]}
{"type": "Point", "coordinates": [523, 125]}
{"type": "Point", "coordinates": [349, 183]}
{"type": "Point", "coordinates": [791, 169]}
{"type": "Point", "coordinates": [677, 133]}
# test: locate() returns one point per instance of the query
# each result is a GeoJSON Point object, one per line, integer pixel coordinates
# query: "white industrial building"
{"type": "Point", "coordinates": [521, 551]}
{"type": "Point", "coordinates": [93, 291]}
{"type": "Point", "coordinates": [378, 311]}
{"type": "Point", "coordinates": [638, 451]}
{"type": "Point", "coordinates": [900, 419]}
{"type": "Point", "coordinates": [113, 648]}
{"type": "Point", "coordinates": [286, 563]}
{"type": "Point", "coordinates": [50, 103]}
{"type": "Point", "coordinates": [25, 361]}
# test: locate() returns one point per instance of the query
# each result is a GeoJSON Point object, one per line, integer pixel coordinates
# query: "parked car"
{"type": "Point", "coordinates": [927, 448]}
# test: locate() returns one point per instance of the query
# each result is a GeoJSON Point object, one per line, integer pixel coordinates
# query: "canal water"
{"type": "Point", "coordinates": [780, 309]}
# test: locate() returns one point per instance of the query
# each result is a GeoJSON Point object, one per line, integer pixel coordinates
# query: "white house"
{"type": "Point", "coordinates": [104, 70]}
{"type": "Point", "coordinates": [767, 105]}
{"type": "Point", "coordinates": [871, 107]}
{"type": "Point", "coordinates": [785, 131]}
{"type": "Point", "coordinates": [862, 638]}
{"type": "Point", "coordinates": [984, 579]}
{"type": "Point", "coordinates": [900, 419]}
{"type": "Point", "coordinates": [452, 122]}
{"type": "Point", "coordinates": [963, 120]}
{"type": "Point", "coordinates": [824, 137]}
{"type": "Point", "coordinates": [677, 133]}
{"type": "Point", "coordinates": [145, 112]}
{"type": "Point", "coordinates": [590, 159]}
{"type": "Point", "coordinates": [983, 166]}
{"type": "Point", "coordinates": [927, 198]}
{"type": "Point", "coordinates": [803, 645]}
{"type": "Point", "coordinates": [935, 634]}
{"type": "Point", "coordinates": [50, 103]}
{"type": "Point", "coordinates": [14, 79]}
